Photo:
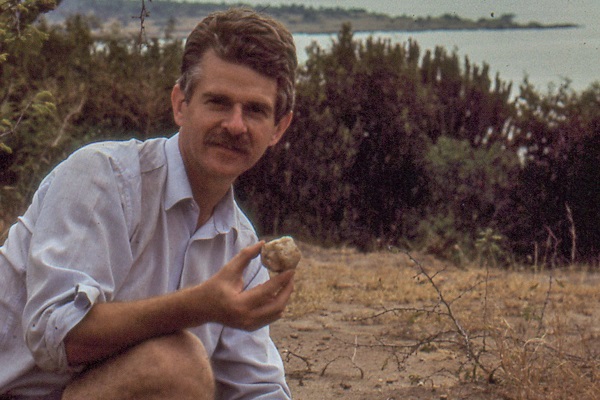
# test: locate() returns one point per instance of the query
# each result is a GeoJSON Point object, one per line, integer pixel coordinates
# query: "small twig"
{"type": "Point", "coordinates": [355, 348]}
{"type": "Point", "coordinates": [467, 290]}
{"type": "Point", "coordinates": [66, 121]}
{"type": "Point", "coordinates": [395, 311]}
{"type": "Point", "coordinates": [362, 373]}
{"type": "Point", "coordinates": [485, 305]}
{"type": "Point", "coordinates": [546, 302]}
{"type": "Point", "coordinates": [551, 239]}
{"type": "Point", "coordinates": [144, 13]}
{"type": "Point", "coordinates": [298, 356]}
{"type": "Point", "coordinates": [573, 233]}
{"type": "Point", "coordinates": [16, 125]}
{"type": "Point", "coordinates": [449, 312]}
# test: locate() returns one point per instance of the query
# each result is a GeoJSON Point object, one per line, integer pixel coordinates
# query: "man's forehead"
{"type": "Point", "coordinates": [218, 76]}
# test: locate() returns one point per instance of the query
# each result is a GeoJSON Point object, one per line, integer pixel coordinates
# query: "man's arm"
{"type": "Point", "coordinates": [111, 327]}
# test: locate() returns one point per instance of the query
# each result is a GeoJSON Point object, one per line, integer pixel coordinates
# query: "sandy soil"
{"type": "Point", "coordinates": [329, 356]}
{"type": "Point", "coordinates": [333, 347]}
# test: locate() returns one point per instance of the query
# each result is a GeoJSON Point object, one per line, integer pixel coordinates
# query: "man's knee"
{"type": "Point", "coordinates": [183, 354]}
{"type": "Point", "coordinates": [173, 366]}
{"type": "Point", "coordinates": [182, 362]}
{"type": "Point", "coordinates": [179, 351]}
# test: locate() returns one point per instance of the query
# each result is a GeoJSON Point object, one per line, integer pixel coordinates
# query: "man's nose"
{"type": "Point", "coordinates": [234, 122]}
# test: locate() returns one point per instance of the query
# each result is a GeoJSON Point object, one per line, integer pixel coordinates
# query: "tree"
{"type": "Point", "coordinates": [469, 191]}
{"type": "Point", "coordinates": [24, 106]}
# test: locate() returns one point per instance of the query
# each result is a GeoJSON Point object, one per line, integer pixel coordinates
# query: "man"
{"type": "Point", "coordinates": [133, 274]}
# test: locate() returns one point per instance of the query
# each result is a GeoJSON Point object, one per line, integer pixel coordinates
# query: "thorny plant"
{"type": "Point", "coordinates": [489, 351]}
{"type": "Point", "coordinates": [473, 343]}
{"type": "Point", "coordinates": [520, 338]}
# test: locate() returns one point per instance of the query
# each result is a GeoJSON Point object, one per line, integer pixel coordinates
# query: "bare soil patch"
{"type": "Point", "coordinates": [374, 326]}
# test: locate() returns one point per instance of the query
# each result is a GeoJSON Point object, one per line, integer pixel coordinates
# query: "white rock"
{"type": "Point", "coordinates": [280, 254]}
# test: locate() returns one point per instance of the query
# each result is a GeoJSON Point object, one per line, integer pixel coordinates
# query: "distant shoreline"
{"type": "Point", "coordinates": [329, 32]}
{"type": "Point", "coordinates": [157, 29]}
{"type": "Point", "coordinates": [180, 18]}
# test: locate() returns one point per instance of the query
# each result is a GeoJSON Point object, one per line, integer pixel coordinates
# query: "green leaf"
{"type": "Point", "coordinates": [5, 148]}
{"type": "Point", "coordinates": [44, 96]}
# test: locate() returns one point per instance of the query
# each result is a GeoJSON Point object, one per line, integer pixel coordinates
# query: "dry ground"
{"type": "Point", "coordinates": [390, 325]}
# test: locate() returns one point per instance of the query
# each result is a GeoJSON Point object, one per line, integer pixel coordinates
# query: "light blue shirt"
{"type": "Point", "coordinates": [116, 222]}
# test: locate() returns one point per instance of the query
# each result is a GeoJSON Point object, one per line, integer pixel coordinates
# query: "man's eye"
{"type": "Point", "coordinates": [257, 109]}
{"type": "Point", "coordinates": [216, 101]}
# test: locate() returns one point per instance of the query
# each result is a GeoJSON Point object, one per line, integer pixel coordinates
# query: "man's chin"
{"type": "Point", "coordinates": [228, 164]}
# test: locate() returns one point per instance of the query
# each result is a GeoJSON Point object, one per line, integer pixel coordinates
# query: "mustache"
{"type": "Point", "coordinates": [225, 139]}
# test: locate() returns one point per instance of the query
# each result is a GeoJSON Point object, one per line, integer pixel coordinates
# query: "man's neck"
{"type": "Point", "coordinates": [207, 195]}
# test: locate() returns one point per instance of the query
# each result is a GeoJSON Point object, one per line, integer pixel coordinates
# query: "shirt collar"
{"type": "Point", "coordinates": [224, 218]}
{"type": "Point", "coordinates": [225, 215]}
{"type": "Point", "coordinates": [178, 187]}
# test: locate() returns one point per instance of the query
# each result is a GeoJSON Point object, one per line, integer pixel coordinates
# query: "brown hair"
{"type": "Point", "coordinates": [244, 37]}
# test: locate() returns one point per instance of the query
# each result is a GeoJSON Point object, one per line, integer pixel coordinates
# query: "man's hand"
{"type": "Point", "coordinates": [223, 300]}
{"type": "Point", "coordinates": [108, 328]}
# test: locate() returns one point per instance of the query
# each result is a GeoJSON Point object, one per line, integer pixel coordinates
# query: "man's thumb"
{"type": "Point", "coordinates": [243, 258]}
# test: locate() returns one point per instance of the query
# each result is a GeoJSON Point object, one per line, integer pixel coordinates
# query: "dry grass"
{"type": "Point", "coordinates": [526, 335]}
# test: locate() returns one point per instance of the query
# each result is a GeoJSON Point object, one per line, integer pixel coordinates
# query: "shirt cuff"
{"type": "Point", "coordinates": [85, 296]}
{"type": "Point", "coordinates": [63, 319]}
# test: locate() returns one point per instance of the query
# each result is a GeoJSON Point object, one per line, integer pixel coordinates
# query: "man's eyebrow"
{"type": "Point", "coordinates": [212, 95]}
{"type": "Point", "coordinates": [255, 104]}
{"type": "Point", "coordinates": [260, 105]}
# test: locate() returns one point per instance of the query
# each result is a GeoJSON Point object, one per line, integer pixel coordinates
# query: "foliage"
{"type": "Point", "coordinates": [559, 138]}
{"type": "Point", "coordinates": [368, 114]}
{"type": "Point", "coordinates": [468, 190]}
{"type": "Point", "coordinates": [428, 150]}
{"type": "Point", "coordinates": [389, 145]}
{"type": "Point", "coordinates": [65, 88]}
{"type": "Point", "coordinates": [24, 104]}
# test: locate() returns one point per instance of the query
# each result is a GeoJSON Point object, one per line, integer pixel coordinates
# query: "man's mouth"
{"type": "Point", "coordinates": [237, 149]}
{"type": "Point", "coordinates": [226, 141]}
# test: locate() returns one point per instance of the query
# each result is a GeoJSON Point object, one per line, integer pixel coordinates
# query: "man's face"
{"type": "Point", "coordinates": [228, 123]}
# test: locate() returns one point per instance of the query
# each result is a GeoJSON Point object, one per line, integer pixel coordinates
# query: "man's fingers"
{"type": "Point", "coordinates": [272, 294]}
{"type": "Point", "coordinates": [243, 258]}
{"type": "Point", "coordinates": [283, 281]}
{"type": "Point", "coordinates": [270, 306]}
{"type": "Point", "coordinates": [259, 306]}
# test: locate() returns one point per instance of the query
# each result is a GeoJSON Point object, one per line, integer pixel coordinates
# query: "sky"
{"type": "Point", "coordinates": [584, 12]}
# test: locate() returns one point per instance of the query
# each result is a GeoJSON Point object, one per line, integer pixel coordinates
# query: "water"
{"type": "Point", "coordinates": [546, 57]}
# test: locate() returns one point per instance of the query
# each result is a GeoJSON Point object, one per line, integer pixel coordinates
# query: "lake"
{"type": "Point", "coordinates": [545, 56]}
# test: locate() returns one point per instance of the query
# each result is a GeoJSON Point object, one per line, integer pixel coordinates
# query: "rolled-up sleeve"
{"type": "Point", "coordinates": [79, 251]}
{"type": "Point", "coordinates": [248, 365]}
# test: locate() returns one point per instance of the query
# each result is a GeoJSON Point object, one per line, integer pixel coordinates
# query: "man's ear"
{"type": "Point", "coordinates": [178, 103]}
{"type": "Point", "coordinates": [281, 127]}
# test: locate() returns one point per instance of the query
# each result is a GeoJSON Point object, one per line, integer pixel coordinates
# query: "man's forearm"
{"type": "Point", "coordinates": [109, 328]}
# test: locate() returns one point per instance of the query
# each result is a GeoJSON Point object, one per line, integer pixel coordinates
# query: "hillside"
{"type": "Point", "coordinates": [182, 16]}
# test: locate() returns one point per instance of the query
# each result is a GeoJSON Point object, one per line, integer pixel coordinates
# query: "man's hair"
{"type": "Point", "coordinates": [244, 37]}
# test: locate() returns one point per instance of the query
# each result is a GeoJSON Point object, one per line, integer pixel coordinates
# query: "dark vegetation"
{"type": "Point", "coordinates": [390, 145]}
